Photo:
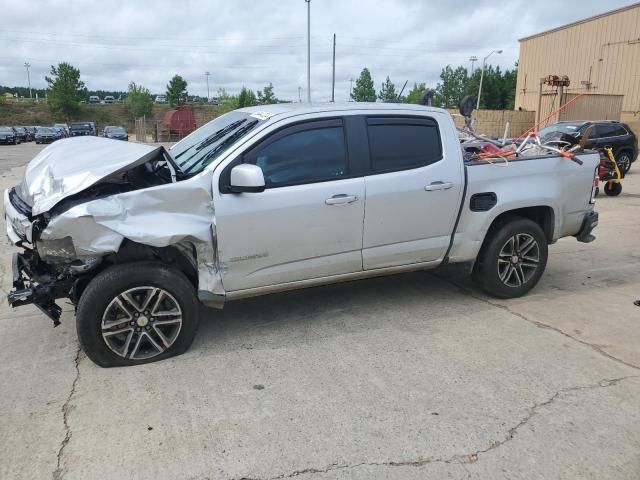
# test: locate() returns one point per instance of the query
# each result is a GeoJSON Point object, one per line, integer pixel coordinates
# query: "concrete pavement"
{"type": "Point", "coordinates": [409, 377]}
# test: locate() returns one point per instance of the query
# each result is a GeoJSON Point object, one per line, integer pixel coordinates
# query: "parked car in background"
{"type": "Point", "coordinates": [8, 136]}
{"type": "Point", "coordinates": [21, 132]}
{"type": "Point", "coordinates": [94, 99]}
{"type": "Point", "coordinates": [59, 132]}
{"type": "Point", "coordinates": [115, 132]}
{"type": "Point", "coordinates": [46, 135]}
{"type": "Point", "coordinates": [32, 132]}
{"type": "Point", "coordinates": [64, 126]}
{"type": "Point", "coordinates": [161, 99]}
{"type": "Point", "coordinates": [80, 129]}
{"type": "Point", "coordinates": [109, 99]}
{"type": "Point", "coordinates": [605, 133]}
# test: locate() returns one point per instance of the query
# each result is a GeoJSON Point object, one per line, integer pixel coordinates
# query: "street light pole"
{"type": "Point", "coordinates": [308, 2]}
{"type": "Point", "coordinates": [484, 62]}
{"type": "Point", "coordinates": [27, 65]}
{"type": "Point", "coordinates": [207, 75]}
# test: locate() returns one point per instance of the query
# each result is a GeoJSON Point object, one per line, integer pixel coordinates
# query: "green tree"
{"type": "Point", "coordinates": [266, 95]}
{"type": "Point", "coordinates": [246, 98]}
{"type": "Point", "coordinates": [139, 101]}
{"type": "Point", "coordinates": [177, 91]}
{"type": "Point", "coordinates": [226, 101]}
{"type": "Point", "coordinates": [415, 94]}
{"type": "Point", "coordinates": [364, 91]}
{"type": "Point", "coordinates": [388, 91]}
{"type": "Point", "coordinates": [65, 90]}
{"type": "Point", "coordinates": [451, 88]}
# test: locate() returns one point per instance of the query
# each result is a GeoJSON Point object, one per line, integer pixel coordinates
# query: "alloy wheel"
{"type": "Point", "coordinates": [141, 323]}
{"type": "Point", "coordinates": [518, 260]}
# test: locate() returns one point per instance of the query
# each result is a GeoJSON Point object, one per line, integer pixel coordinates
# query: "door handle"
{"type": "Point", "coordinates": [438, 186]}
{"type": "Point", "coordinates": [341, 199]}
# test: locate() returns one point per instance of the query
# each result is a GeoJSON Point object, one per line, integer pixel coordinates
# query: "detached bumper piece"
{"type": "Point", "coordinates": [43, 294]}
{"type": "Point", "coordinates": [588, 224]}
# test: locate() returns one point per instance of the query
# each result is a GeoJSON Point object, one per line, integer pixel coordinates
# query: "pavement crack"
{"type": "Point", "coordinates": [539, 324]}
{"type": "Point", "coordinates": [533, 411]}
{"type": "Point", "coordinates": [458, 459]}
{"type": "Point", "coordinates": [58, 473]}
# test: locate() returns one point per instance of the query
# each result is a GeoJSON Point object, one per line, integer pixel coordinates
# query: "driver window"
{"type": "Point", "coordinates": [307, 156]}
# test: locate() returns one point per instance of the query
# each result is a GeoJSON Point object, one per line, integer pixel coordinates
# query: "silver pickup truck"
{"type": "Point", "coordinates": [273, 198]}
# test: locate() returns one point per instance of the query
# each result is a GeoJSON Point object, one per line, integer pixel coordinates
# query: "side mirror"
{"type": "Point", "coordinates": [246, 178]}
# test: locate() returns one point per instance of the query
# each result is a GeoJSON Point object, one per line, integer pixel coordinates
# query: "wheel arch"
{"type": "Point", "coordinates": [543, 215]}
{"type": "Point", "coordinates": [181, 256]}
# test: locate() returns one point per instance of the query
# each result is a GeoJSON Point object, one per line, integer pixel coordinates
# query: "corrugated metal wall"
{"type": "Point", "coordinates": [593, 107]}
{"type": "Point", "coordinates": [604, 51]}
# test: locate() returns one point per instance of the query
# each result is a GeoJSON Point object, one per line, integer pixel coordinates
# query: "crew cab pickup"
{"type": "Point", "coordinates": [274, 198]}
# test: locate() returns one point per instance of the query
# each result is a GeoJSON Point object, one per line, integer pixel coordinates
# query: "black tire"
{"type": "Point", "coordinates": [624, 160]}
{"type": "Point", "coordinates": [492, 272]}
{"type": "Point", "coordinates": [96, 304]}
{"type": "Point", "coordinates": [612, 189]}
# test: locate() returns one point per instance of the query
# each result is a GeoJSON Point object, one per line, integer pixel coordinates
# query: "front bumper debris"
{"type": "Point", "coordinates": [588, 224]}
{"type": "Point", "coordinates": [27, 291]}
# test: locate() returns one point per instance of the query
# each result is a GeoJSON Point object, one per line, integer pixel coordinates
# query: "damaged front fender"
{"type": "Point", "coordinates": [161, 216]}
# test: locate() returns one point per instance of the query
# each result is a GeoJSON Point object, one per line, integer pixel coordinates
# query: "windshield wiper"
{"type": "Point", "coordinates": [230, 139]}
{"type": "Point", "coordinates": [209, 140]}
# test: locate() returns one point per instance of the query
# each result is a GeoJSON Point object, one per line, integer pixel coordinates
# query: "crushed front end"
{"type": "Point", "coordinates": [33, 280]}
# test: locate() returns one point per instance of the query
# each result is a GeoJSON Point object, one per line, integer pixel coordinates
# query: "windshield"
{"type": "Point", "coordinates": [6, 130]}
{"type": "Point", "coordinates": [80, 126]}
{"type": "Point", "coordinates": [195, 152]}
{"type": "Point", "coordinates": [570, 128]}
{"type": "Point", "coordinates": [115, 130]}
{"type": "Point", "coordinates": [44, 130]}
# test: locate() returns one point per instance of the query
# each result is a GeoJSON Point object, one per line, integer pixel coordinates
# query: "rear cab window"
{"type": "Point", "coordinates": [402, 143]}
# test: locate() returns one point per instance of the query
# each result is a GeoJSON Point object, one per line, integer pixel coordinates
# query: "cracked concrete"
{"type": "Point", "coordinates": [58, 473]}
{"type": "Point", "coordinates": [410, 377]}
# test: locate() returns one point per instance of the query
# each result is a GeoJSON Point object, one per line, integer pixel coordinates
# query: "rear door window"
{"type": "Point", "coordinates": [402, 143]}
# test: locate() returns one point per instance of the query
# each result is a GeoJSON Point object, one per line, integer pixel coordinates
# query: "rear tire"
{"type": "Point", "coordinates": [137, 313]}
{"type": "Point", "coordinates": [512, 259]}
{"type": "Point", "coordinates": [612, 189]}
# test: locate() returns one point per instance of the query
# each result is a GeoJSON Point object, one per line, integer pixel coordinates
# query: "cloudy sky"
{"type": "Point", "coordinates": [254, 42]}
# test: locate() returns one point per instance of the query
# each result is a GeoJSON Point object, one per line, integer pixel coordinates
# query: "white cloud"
{"type": "Point", "coordinates": [252, 43]}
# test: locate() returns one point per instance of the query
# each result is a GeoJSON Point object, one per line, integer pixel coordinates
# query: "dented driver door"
{"type": "Point", "coordinates": [308, 221]}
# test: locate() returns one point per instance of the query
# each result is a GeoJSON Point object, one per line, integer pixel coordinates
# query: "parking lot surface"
{"type": "Point", "coordinates": [410, 377]}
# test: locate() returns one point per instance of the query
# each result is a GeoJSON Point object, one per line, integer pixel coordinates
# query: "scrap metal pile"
{"type": "Point", "coordinates": [478, 147]}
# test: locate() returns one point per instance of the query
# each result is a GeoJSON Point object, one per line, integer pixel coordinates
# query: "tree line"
{"type": "Point", "coordinates": [66, 90]}
{"type": "Point", "coordinates": [498, 88]}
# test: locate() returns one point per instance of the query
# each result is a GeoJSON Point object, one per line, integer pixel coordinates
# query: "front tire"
{"type": "Point", "coordinates": [137, 313]}
{"type": "Point", "coordinates": [512, 259]}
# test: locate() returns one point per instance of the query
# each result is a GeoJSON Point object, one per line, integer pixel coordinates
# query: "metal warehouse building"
{"type": "Point", "coordinates": [600, 56]}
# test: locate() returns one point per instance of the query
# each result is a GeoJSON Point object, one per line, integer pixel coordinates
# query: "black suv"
{"type": "Point", "coordinates": [605, 133]}
{"type": "Point", "coordinates": [80, 129]}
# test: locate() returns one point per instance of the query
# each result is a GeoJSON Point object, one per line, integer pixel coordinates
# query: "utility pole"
{"type": "Point", "coordinates": [333, 76]}
{"type": "Point", "coordinates": [308, 2]}
{"type": "Point", "coordinates": [299, 94]}
{"type": "Point", "coordinates": [27, 65]}
{"type": "Point", "coordinates": [350, 89]}
{"type": "Point", "coordinates": [473, 59]}
{"type": "Point", "coordinates": [206, 74]}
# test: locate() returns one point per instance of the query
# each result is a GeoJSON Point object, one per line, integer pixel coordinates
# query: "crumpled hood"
{"type": "Point", "coordinates": [71, 165]}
